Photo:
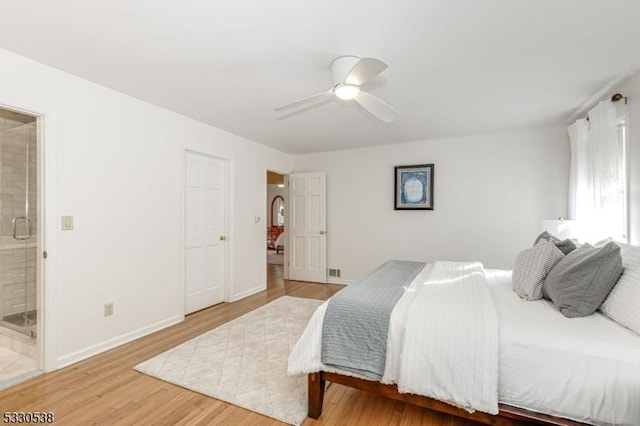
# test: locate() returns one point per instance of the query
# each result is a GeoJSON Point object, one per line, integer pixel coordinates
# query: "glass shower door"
{"type": "Point", "coordinates": [18, 241]}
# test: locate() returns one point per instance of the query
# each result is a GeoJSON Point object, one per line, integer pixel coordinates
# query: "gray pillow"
{"type": "Point", "coordinates": [578, 284]}
{"type": "Point", "coordinates": [531, 268]}
{"type": "Point", "coordinates": [565, 246]}
{"type": "Point", "coordinates": [546, 236]}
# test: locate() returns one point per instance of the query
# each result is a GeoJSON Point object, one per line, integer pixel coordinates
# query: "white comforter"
{"type": "Point", "coordinates": [442, 341]}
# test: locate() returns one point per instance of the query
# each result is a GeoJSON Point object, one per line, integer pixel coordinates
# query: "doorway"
{"type": "Point", "coordinates": [20, 228]}
{"type": "Point", "coordinates": [276, 218]}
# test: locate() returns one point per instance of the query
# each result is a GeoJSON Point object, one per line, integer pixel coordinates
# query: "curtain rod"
{"type": "Point", "coordinates": [618, 96]}
{"type": "Point", "coordinates": [615, 98]}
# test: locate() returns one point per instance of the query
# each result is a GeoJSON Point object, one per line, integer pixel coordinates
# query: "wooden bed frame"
{"type": "Point", "coordinates": [507, 415]}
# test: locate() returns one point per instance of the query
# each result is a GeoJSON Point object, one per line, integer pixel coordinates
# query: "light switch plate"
{"type": "Point", "coordinates": [108, 309]}
{"type": "Point", "coordinates": [67, 223]}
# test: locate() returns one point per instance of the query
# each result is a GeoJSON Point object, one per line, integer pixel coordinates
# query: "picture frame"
{"type": "Point", "coordinates": [414, 187]}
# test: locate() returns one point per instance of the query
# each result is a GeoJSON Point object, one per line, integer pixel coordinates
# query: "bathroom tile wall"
{"type": "Point", "coordinates": [15, 136]}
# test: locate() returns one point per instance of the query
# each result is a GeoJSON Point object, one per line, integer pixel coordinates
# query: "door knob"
{"type": "Point", "coordinates": [322, 232]}
{"type": "Point", "coordinates": [223, 237]}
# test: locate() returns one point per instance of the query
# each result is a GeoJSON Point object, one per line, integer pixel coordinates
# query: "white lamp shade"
{"type": "Point", "coordinates": [561, 228]}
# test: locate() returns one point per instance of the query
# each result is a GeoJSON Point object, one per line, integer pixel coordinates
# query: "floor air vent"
{"type": "Point", "coordinates": [334, 273]}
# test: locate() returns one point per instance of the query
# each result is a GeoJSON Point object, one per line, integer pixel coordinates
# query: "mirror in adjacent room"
{"type": "Point", "coordinates": [277, 211]}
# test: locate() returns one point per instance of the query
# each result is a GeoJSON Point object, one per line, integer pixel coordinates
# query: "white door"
{"type": "Point", "coordinates": [307, 227]}
{"type": "Point", "coordinates": [204, 231]}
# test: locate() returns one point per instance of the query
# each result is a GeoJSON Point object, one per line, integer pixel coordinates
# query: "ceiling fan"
{"type": "Point", "coordinates": [349, 73]}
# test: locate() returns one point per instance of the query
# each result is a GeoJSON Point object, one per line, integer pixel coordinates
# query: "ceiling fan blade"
{"type": "Point", "coordinates": [378, 108]}
{"type": "Point", "coordinates": [365, 70]}
{"type": "Point", "coordinates": [302, 101]}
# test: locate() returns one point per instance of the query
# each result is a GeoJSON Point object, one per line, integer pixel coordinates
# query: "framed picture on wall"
{"type": "Point", "coordinates": [414, 187]}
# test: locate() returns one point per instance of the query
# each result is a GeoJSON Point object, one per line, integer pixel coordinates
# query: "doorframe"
{"type": "Point", "coordinates": [46, 271]}
{"type": "Point", "coordinates": [228, 226]}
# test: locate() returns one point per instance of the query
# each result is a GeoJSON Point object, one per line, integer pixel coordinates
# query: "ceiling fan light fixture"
{"type": "Point", "coordinates": [346, 91]}
{"type": "Point", "coordinates": [349, 74]}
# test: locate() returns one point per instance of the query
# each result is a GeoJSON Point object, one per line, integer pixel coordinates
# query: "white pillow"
{"type": "Point", "coordinates": [531, 268]}
{"type": "Point", "coordinates": [623, 303]}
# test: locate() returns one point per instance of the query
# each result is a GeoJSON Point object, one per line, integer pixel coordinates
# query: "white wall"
{"type": "Point", "coordinates": [631, 89]}
{"type": "Point", "coordinates": [117, 168]}
{"type": "Point", "coordinates": [491, 194]}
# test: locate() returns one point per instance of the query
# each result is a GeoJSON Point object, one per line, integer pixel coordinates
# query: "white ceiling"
{"type": "Point", "coordinates": [455, 66]}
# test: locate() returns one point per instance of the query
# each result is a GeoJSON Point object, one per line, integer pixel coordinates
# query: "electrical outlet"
{"type": "Point", "coordinates": [108, 309]}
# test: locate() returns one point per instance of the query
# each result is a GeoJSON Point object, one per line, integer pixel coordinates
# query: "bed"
{"type": "Point", "coordinates": [550, 369]}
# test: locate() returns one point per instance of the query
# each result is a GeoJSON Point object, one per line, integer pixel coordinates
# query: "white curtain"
{"type": "Point", "coordinates": [578, 187]}
{"type": "Point", "coordinates": [597, 193]}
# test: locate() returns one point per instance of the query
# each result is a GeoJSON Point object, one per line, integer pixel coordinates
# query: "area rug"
{"type": "Point", "coordinates": [244, 362]}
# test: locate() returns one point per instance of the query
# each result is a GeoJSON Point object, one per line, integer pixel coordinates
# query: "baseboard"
{"type": "Point", "coordinates": [116, 341]}
{"type": "Point", "coordinates": [338, 281]}
{"type": "Point", "coordinates": [247, 293]}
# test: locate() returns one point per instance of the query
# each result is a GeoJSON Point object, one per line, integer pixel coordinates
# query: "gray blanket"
{"type": "Point", "coordinates": [356, 323]}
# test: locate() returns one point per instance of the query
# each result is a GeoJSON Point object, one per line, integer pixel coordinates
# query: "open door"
{"type": "Point", "coordinates": [307, 227]}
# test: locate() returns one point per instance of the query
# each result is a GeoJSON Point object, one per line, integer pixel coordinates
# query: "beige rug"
{"type": "Point", "coordinates": [244, 361]}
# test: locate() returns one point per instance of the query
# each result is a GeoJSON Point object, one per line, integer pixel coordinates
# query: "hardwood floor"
{"type": "Point", "coordinates": [105, 390]}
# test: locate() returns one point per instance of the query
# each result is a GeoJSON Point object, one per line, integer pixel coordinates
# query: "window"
{"type": "Point", "coordinates": [598, 179]}
{"type": "Point", "coordinates": [623, 192]}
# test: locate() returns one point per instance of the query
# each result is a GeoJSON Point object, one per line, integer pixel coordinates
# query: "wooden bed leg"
{"type": "Point", "coordinates": [315, 389]}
